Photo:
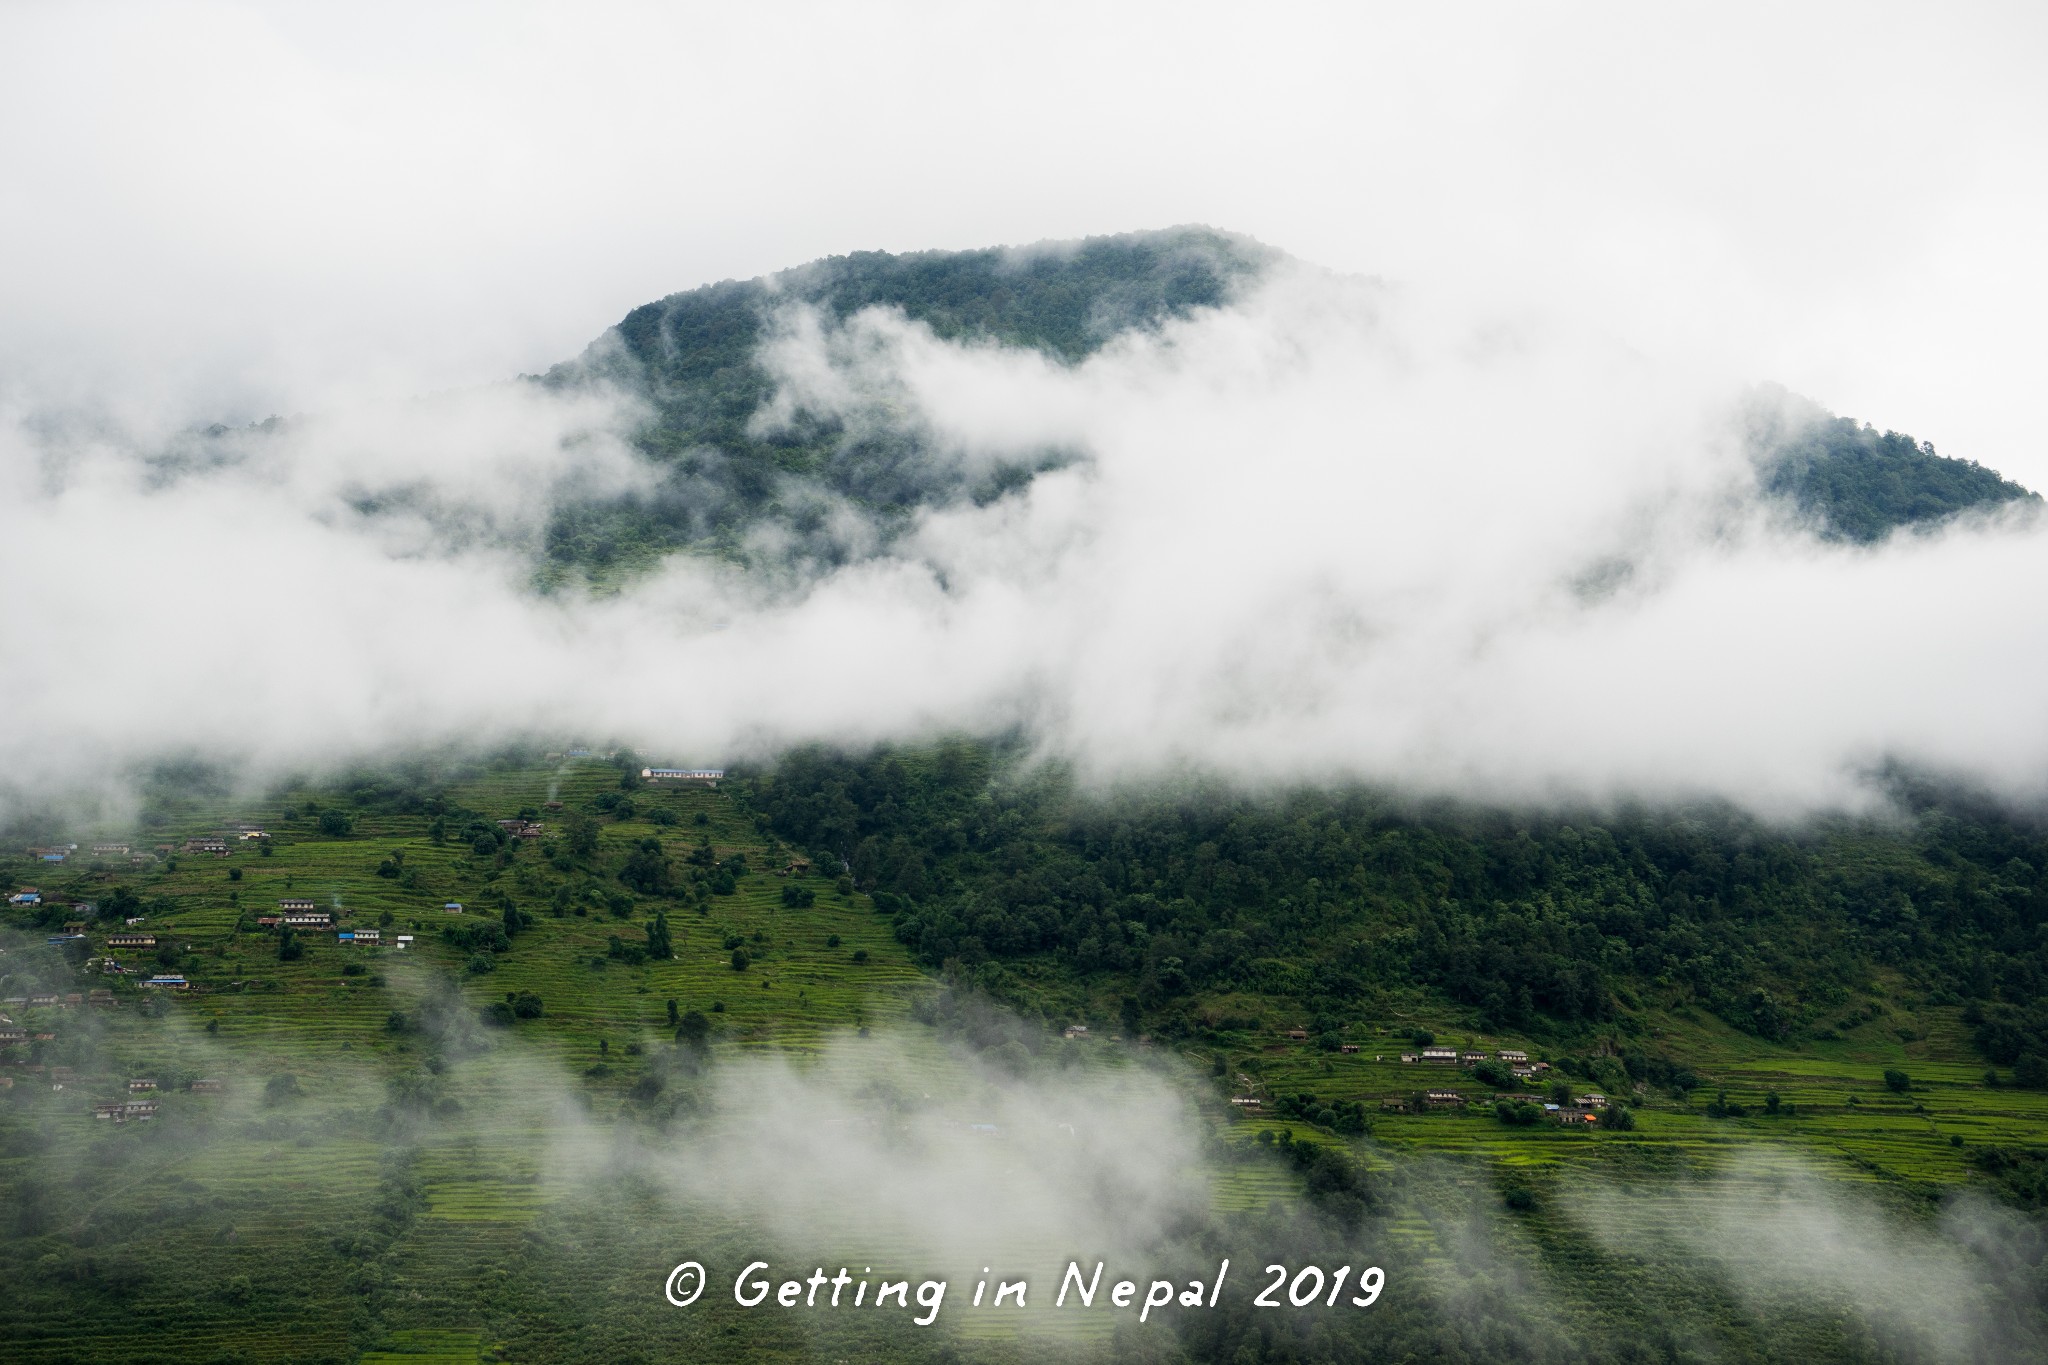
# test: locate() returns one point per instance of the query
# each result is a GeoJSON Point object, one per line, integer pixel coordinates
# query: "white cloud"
{"type": "Point", "coordinates": [1340, 531]}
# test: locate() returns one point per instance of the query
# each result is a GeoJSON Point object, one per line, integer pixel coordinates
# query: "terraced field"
{"type": "Point", "coordinates": [369, 1188]}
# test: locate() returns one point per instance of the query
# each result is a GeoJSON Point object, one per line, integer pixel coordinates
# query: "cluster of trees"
{"type": "Point", "coordinates": [1328, 898]}
{"type": "Point", "coordinates": [1858, 484]}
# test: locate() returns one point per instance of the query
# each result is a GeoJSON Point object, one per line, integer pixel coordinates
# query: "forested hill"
{"type": "Point", "coordinates": [695, 358]}
{"type": "Point", "coordinates": [1334, 906]}
{"type": "Point", "coordinates": [1854, 483]}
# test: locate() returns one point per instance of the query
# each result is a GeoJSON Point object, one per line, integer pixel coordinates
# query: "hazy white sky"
{"type": "Point", "coordinates": [1331, 532]}
{"type": "Point", "coordinates": [248, 208]}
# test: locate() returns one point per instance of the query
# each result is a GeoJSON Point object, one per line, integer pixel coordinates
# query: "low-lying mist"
{"type": "Point", "coordinates": [908, 1153]}
{"type": "Point", "coordinates": [1335, 532]}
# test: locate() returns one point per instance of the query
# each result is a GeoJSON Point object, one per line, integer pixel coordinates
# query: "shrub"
{"type": "Point", "coordinates": [740, 960]}
{"type": "Point", "coordinates": [832, 941]}
{"type": "Point", "coordinates": [860, 955]}
{"type": "Point", "coordinates": [480, 964]}
{"type": "Point", "coordinates": [797, 897]}
{"type": "Point", "coordinates": [1898, 1082]}
{"type": "Point", "coordinates": [526, 1005]}
{"type": "Point", "coordinates": [498, 1014]}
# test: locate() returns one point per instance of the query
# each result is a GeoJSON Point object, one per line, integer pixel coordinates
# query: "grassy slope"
{"type": "Point", "coordinates": [158, 1220]}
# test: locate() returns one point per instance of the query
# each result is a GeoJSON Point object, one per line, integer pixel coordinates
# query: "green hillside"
{"type": "Point", "coordinates": [1856, 484]}
{"type": "Point", "coordinates": [413, 1190]}
{"type": "Point", "coordinates": [693, 357]}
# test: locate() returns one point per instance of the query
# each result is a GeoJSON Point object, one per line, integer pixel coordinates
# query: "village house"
{"type": "Point", "coordinates": [1074, 1031]}
{"type": "Point", "coordinates": [110, 1110]}
{"type": "Point", "coordinates": [1593, 1101]}
{"type": "Point", "coordinates": [309, 919]}
{"type": "Point", "coordinates": [131, 940]}
{"type": "Point", "coordinates": [1471, 1058]}
{"type": "Point", "coordinates": [711, 775]}
{"type": "Point", "coordinates": [171, 982]}
{"type": "Point", "coordinates": [208, 844]}
{"type": "Point", "coordinates": [1444, 1099]}
{"type": "Point", "coordinates": [269, 921]}
{"type": "Point", "coordinates": [299, 904]}
{"type": "Point", "coordinates": [42, 998]}
{"type": "Point", "coordinates": [1441, 1056]}
{"type": "Point", "coordinates": [62, 1075]}
{"type": "Point", "coordinates": [522, 829]}
{"type": "Point", "coordinates": [1297, 1033]}
{"type": "Point", "coordinates": [209, 1087]}
{"type": "Point", "coordinates": [1347, 1047]}
{"type": "Point", "coordinates": [141, 1083]}
{"type": "Point", "coordinates": [404, 941]}
{"type": "Point", "coordinates": [1508, 1054]}
{"type": "Point", "coordinates": [142, 1110]}
{"type": "Point", "coordinates": [99, 995]}
{"type": "Point", "coordinates": [452, 907]}
{"type": "Point", "coordinates": [1523, 1070]}
{"type": "Point", "coordinates": [11, 1034]}
{"type": "Point", "coordinates": [110, 848]}
{"type": "Point", "coordinates": [1410, 1057]}
{"type": "Point", "coordinates": [28, 895]}
{"type": "Point", "coordinates": [370, 936]}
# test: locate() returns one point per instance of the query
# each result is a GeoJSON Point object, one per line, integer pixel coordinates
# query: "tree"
{"type": "Point", "coordinates": [1618, 1118]}
{"type": "Point", "coordinates": [1898, 1082]}
{"type": "Point", "coordinates": [581, 836]}
{"type": "Point", "coordinates": [740, 960]}
{"type": "Point", "coordinates": [289, 949]}
{"type": "Point", "coordinates": [335, 824]}
{"type": "Point", "coordinates": [646, 869]}
{"type": "Point", "coordinates": [658, 945]}
{"type": "Point", "coordinates": [694, 1029]}
{"type": "Point", "coordinates": [671, 1013]}
{"type": "Point", "coordinates": [797, 897]}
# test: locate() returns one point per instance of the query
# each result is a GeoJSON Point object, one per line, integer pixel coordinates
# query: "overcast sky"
{"type": "Point", "coordinates": [1338, 530]}
{"type": "Point", "coordinates": [253, 208]}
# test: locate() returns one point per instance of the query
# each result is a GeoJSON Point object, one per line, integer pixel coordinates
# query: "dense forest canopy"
{"type": "Point", "coordinates": [695, 358]}
{"type": "Point", "coordinates": [1857, 484]}
{"type": "Point", "coordinates": [1340, 903]}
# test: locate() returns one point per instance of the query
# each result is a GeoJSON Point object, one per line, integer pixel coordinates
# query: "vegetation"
{"type": "Point", "coordinates": [388, 1111]}
{"type": "Point", "coordinates": [1857, 484]}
